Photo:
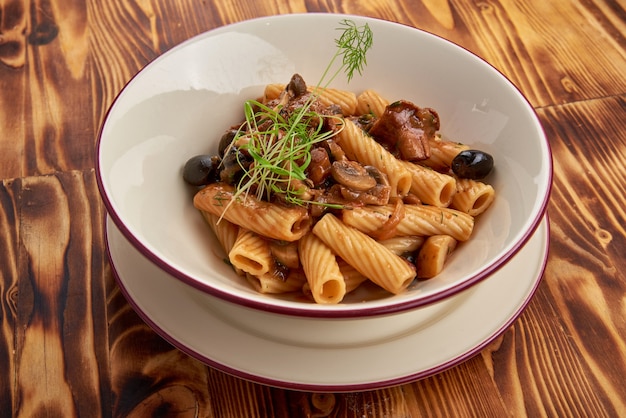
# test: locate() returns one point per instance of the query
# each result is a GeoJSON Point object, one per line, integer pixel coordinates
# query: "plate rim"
{"type": "Point", "coordinates": [372, 384]}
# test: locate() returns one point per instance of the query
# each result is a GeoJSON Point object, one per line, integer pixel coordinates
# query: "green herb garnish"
{"type": "Point", "coordinates": [281, 147]}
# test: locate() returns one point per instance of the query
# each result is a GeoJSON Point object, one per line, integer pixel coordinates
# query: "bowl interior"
{"type": "Point", "coordinates": [180, 104]}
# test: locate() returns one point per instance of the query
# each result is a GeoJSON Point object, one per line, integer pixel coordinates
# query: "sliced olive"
{"type": "Point", "coordinates": [201, 170]}
{"type": "Point", "coordinates": [472, 164]}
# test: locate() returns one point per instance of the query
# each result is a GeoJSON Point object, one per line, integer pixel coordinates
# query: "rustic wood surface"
{"type": "Point", "coordinates": [70, 345]}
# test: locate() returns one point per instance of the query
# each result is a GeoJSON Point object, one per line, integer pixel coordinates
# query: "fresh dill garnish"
{"type": "Point", "coordinates": [353, 44]}
{"type": "Point", "coordinates": [279, 146]}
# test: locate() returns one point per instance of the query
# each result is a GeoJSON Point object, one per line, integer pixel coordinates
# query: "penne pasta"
{"type": "Point", "coordinates": [430, 186]}
{"type": "Point", "coordinates": [251, 253]}
{"type": "Point", "coordinates": [403, 244]}
{"type": "Point", "coordinates": [418, 220]}
{"type": "Point", "coordinates": [442, 152]}
{"type": "Point", "coordinates": [359, 146]}
{"type": "Point", "coordinates": [472, 197]}
{"type": "Point", "coordinates": [322, 272]}
{"type": "Point", "coordinates": [346, 100]}
{"type": "Point", "coordinates": [381, 266]}
{"type": "Point", "coordinates": [264, 218]}
{"type": "Point", "coordinates": [351, 276]}
{"type": "Point", "coordinates": [433, 255]}
{"type": "Point", "coordinates": [225, 231]}
{"type": "Point", "coordinates": [369, 102]}
{"type": "Point", "coordinates": [272, 92]}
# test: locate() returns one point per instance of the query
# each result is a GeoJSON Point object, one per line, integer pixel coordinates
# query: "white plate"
{"type": "Point", "coordinates": [220, 334]}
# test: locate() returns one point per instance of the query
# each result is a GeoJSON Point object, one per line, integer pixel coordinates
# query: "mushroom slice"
{"type": "Point", "coordinates": [352, 175]}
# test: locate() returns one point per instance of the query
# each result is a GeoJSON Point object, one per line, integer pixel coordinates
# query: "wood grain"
{"type": "Point", "coordinates": [587, 279]}
{"type": "Point", "coordinates": [70, 344]}
{"type": "Point", "coordinates": [66, 66]}
{"type": "Point", "coordinates": [59, 286]}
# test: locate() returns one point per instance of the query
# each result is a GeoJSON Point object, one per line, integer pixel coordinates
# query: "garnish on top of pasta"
{"type": "Point", "coordinates": [319, 190]}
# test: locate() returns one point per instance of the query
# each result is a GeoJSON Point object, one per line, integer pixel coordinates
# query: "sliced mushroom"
{"type": "Point", "coordinates": [379, 194]}
{"type": "Point", "coordinates": [352, 175]}
{"type": "Point", "coordinates": [379, 176]}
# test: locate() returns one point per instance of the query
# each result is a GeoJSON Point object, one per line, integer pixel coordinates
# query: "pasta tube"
{"type": "Point", "coordinates": [433, 255]}
{"type": "Point", "coordinates": [430, 186]}
{"type": "Point", "coordinates": [418, 220]}
{"type": "Point", "coordinates": [351, 276]}
{"type": "Point", "coordinates": [472, 197]}
{"type": "Point", "coordinates": [404, 244]}
{"type": "Point", "coordinates": [251, 253]}
{"type": "Point", "coordinates": [322, 271]}
{"type": "Point", "coordinates": [273, 91]}
{"type": "Point", "coordinates": [345, 99]}
{"type": "Point", "coordinates": [370, 102]}
{"type": "Point", "coordinates": [225, 231]}
{"type": "Point", "coordinates": [442, 152]}
{"type": "Point", "coordinates": [267, 219]}
{"type": "Point", "coordinates": [381, 266]}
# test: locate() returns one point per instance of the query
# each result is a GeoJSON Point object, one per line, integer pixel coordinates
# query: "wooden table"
{"type": "Point", "coordinates": [70, 345]}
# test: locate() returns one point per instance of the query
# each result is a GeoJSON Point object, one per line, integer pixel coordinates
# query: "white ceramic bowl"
{"type": "Point", "coordinates": [180, 104]}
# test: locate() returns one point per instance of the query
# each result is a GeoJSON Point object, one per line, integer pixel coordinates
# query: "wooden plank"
{"type": "Point", "coordinates": [9, 224]}
{"type": "Point", "coordinates": [60, 363]}
{"type": "Point", "coordinates": [59, 79]}
{"type": "Point", "coordinates": [535, 362]}
{"type": "Point", "coordinates": [587, 279]}
{"type": "Point", "coordinates": [233, 397]}
{"type": "Point", "coordinates": [542, 47]}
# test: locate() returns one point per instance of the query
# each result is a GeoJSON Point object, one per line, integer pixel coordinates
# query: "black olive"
{"type": "Point", "coordinates": [472, 164]}
{"type": "Point", "coordinates": [225, 141]}
{"type": "Point", "coordinates": [201, 170]}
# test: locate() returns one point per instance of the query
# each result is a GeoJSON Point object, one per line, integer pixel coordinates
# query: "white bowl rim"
{"type": "Point", "coordinates": [314, 310]}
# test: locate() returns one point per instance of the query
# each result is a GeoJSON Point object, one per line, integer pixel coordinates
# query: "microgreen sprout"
{"type": "Point", "coordinates": [280, 147]}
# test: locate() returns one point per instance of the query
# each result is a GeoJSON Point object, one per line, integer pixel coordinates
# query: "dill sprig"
{"type": "Point", "coordinates": [353, 45]}
{"type": "Point", "coordinates": [280, 147]}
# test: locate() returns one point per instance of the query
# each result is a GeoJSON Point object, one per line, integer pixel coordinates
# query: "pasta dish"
{"type": "Point", "coordinates": [319, 190]}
